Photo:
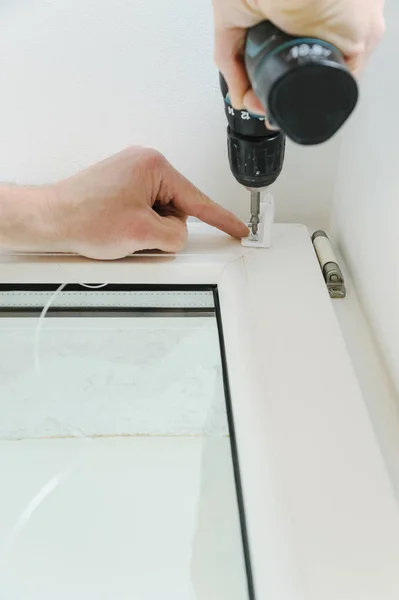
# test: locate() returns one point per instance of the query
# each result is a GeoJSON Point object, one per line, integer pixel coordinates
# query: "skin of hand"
{"type": "Point", "coordinates": [353, 26]}
{"type": "Point", "coordinates": [134, 200]}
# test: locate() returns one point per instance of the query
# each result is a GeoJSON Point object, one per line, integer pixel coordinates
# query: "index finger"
{"type": "Point", "coordinates": [190, 200]}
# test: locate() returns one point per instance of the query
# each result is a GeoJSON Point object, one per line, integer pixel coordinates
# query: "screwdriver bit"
{"type": "Point", "coordinates": [255, 211]}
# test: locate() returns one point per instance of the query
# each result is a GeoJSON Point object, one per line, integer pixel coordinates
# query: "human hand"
{"type": "Point", "coordinates": [353, 26]}
{"type": "Point", "coordinates": [133, 201]}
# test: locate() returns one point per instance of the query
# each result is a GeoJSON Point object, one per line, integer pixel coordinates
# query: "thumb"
{"type": "Point", "coordinates": [229, 58]}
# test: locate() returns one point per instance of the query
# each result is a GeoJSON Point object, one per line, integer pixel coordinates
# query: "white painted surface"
{"type": "Point", "coordinates": [81, 80]}
{"type": "Point", "coordinates": [131, 518]}
{"type": "Point", "coordinates": [366, 215]}
{"type": "Point", "coordinates": [322, 516]}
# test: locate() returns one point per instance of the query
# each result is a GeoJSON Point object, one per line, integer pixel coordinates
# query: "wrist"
{"type": "Point", "coordinates": [28, 218]}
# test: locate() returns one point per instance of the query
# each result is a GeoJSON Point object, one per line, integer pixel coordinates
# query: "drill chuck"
{"type": "Point", "coordinates": [256, 154]}
{"type": "Point", "coordinates": [255, 162]}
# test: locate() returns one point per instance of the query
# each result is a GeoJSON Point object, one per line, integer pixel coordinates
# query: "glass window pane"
{"type": "Point", "coordinates": [115, 457]}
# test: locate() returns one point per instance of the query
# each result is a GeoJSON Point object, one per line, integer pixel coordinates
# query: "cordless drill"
{"type": "Point", "coordinates": [307, 93]}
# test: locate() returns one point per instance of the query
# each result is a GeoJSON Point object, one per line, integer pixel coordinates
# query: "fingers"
{"type": "Point", "coordinates": [232, 20]}
{"type": "Point", "coordinates": [213, 214]}
{"type": "Point", "coordinates": [377, 30]}
{"type": "Point", "coordinates": [153, 232]}
{"type": "Point", "coordinates": [253, 104]}
{"type": "Point", "coordinates": [229, 57]}
{"type": "Point", "coordinates": [188, 200]}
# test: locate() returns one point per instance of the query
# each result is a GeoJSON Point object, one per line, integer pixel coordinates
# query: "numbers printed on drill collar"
{"type": "Point", "coordinates": [245, 115]}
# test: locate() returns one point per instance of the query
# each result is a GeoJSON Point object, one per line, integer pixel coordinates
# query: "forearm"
{"type": "Point", "coordinates": [27, 218]}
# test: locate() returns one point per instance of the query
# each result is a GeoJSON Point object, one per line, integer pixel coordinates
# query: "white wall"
{"type": "Point", "coordinates": [366, 212]}
{"type": "Point", "coordinates": [82, 79]}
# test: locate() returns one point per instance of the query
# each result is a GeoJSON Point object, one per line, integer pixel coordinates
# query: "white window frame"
{"type": "Point", "coordinates": [321, 515]}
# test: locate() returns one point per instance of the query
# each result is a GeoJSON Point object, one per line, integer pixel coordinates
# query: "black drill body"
{"type": "Point", "coordinates": [256, 155]}
{"type": "Point", "coordinates": [306, 91]}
